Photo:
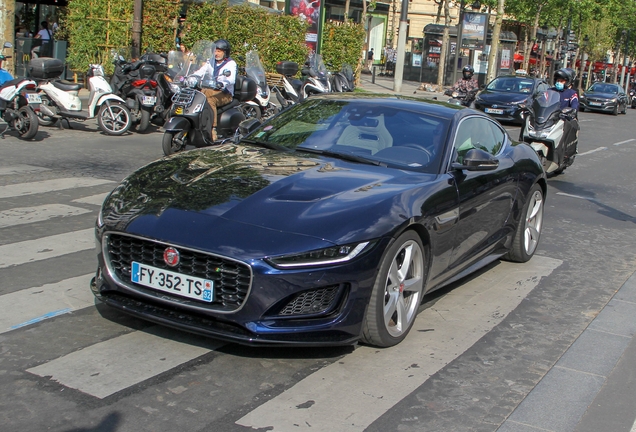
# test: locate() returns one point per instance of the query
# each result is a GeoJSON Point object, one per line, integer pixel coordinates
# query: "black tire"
{"type": "Point", "coordinates": [625, 108]}
{"type": "Point", "coordinates": [144, 123]}
{"type": "Point", "coordinates": [116, 124]}
{"type": "Point", "coordinates": [251, 111]}
{"type": "Point", "coordinates": [528, 231]}
{"type": "Point", "coordinates": [582, 108]}
{"type": "Point", "coordinates": [397, 292]}
{"type": "Point", "coordinates": [43, 119]}
{"type": "Point", "coordinates": [170, 142]}
{"type": "Point", "coordinates": [27, 122]}
{"type": "Point", "coordinates": [615, 112]}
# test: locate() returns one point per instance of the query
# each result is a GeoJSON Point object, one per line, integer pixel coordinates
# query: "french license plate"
{"type": "Point", "coordinates": [149, 100]}
{"type": "Point", "coordinates": [33, 98]}
{"type": "Point", "coordinates": [595, 103]}
{"type": "Point", "coordinates": [172, 282]}
{"type": "Point", "coordinates": [493, 111]}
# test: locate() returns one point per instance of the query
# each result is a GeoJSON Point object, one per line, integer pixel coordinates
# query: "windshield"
{"type": "Point", "coordinates": [347, 71]}
{"type": "Point", "coordinates": [603, 88]}
{"type": "Point", "coordinates": [254, 68]}
{"type": "Point", "coordinates": [362, 128]}
{"type": "Point", "coordinates": [511, 85]}
{"type": "Point", "coordinates": [177, 65]}
{"type": "Point", "coordinates": [316, 63]}
{"type": "Point", "coordinates": [544, 104]}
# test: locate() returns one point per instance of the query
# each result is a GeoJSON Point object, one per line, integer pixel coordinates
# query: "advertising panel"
{"type": "Point", "coordinates": [310, 12]}
{"type": "Point", "coordinates": [474, 27]}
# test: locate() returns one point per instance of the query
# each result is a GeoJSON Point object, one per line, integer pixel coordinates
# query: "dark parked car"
{"type": "Point", "coordinates": [604, 97]}
{"type": "Point", "coordinates": [504, 96]}
{"type": "Point", "coordinates": [324, 226]}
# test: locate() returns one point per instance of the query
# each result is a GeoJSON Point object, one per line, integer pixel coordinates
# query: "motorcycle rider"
{"type": "Point", "coordinates": [223, 69]}
{"type": "Point", "coordinates": [563, 80]}
{"type": "Point", "coordinates": [466, 83]}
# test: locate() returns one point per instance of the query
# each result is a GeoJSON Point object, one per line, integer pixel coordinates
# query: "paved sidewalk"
{"type": "Point", "coordinates": [385, 84]}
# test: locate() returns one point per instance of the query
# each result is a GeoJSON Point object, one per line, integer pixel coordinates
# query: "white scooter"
{"type": "Point", "coordinates": [61, 101]}
{"type": "Point", "coordinates": [15, 97]}
{"type": "Point", "coordinates": [260, 107]}
{"type": "Point", "coordinates": [316, 77]}
{"type": "Point", "coordinates": [551, 131]}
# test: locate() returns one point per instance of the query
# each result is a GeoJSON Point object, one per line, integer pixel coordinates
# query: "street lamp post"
{"type": "Point", "coordinates": [583, 62]}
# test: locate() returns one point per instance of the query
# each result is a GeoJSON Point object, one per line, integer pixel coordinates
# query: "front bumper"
{"type": "Point", "coordinates": [603, 107]}
{"type": "Point", "coordinates": [509, 113]}
{"type": "Point", "coordinates": [259, 322]}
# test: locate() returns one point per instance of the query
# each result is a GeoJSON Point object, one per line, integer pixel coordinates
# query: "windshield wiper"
{"type": "Point", "coordinates": [344, 156]}
{"type": "Point", "coordinates": [265, 144]}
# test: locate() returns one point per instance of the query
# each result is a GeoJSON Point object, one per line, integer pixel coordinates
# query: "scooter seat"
{"type": "Point", "coordinates": [224, 108]}
{"type": "Point", "coordinates": [66, 85]}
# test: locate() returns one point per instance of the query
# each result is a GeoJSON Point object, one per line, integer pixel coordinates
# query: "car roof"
{"type": "Point", "coordinates": [425, 106]}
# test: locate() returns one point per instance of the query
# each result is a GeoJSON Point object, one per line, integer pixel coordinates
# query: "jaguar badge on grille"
{"type": "Point", "coordinates": [171, 256]}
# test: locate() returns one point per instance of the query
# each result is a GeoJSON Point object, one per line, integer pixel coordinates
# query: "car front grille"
{"type": "Point", "coordinates": [311, 302]}
{"type": "Point", "coordinates": [232, 279]}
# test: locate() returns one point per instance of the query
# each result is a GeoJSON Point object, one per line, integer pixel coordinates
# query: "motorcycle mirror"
{"type": "Point", "coordinates": [121, 58]}
{"type": "Point", "coordinates": [8, 45]}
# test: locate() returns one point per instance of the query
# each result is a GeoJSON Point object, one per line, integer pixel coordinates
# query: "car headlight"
{"type": "Point", "coordinates": [321, 257]}
{"type": "Point", "coordinates": [613, 100]}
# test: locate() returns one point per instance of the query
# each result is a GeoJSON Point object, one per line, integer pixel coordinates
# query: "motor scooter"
{"type": "Point", "coordinates": [190, 122]}
{"type": "Point", "coordinates": [316, 76]}
{"type": "Point", "coordinates": [260, 107]}
{"type": "Point", "coordinates": [462, 98]}
{"type": "Point", "coordinates": [16, 97]}
{"type": "Point", "coordinates": [60, 100]}
{"type": "Point", "coordinates": [285, 86]}
{"type": "Point", "coordinates": [551, 131]}
{"type": "Point", "coordinates": [343, 81]}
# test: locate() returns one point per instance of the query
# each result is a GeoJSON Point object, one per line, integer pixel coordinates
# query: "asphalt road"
{"type": "Point", "coordinates": [542, 346]}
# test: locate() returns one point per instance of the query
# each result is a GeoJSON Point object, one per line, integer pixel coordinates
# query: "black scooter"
{"type": "Point", "coordinates": [142, 85]}
{"type": "Point", "coordinates": [344, 80]}
{"type": "Point", "coordinates": [190, 121]}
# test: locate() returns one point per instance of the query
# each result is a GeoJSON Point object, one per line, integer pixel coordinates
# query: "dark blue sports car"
{"type": "Point", "coordinates": [324, 226]}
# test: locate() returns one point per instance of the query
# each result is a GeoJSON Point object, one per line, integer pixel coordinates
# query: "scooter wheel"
{"type": "Point", "coordinates": [144, 122]}
{"type": "Point", "coordinates": [251, 111]}
{"type": "Point", "coordinates": [172, 143]}
{"type": "Point", "coordinates": [42, 118]}
{"type": "Point", "coordinates": [114, 119]}
{"type": "Point", "coordinates": [27, 123]}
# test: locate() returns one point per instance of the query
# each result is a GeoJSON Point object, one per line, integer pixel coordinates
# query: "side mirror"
{"type": "Point", "coordinates": [477, 160]}
{"type": "Point", "coordinates": [248, 126]}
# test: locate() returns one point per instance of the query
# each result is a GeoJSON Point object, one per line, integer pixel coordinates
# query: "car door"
{"type": "Point", "coordinates": [485, 197]}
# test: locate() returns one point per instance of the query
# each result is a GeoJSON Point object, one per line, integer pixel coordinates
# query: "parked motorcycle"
{"type": "Point", "coordinates": [190, 121]}
{"type": "Point", "coordinates": [141, 85]}
{"type": "Point", "coordinates": [316, 76]}
{"type": "Point", "coordinates": [287, 88]}
{"type": "Point", "coordinates": [16, 95]}
{"type": "Point", "coordinates": [551, 131]}
{"type": "Point", "coordinates": [60, 100]}
{"type": "Point", "coordinates": [260, 106]}
{"type": "Point", "coordinates": [343, 81]}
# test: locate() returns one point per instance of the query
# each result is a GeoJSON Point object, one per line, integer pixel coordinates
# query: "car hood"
{"type": "Point", "coordinates": [502, 98]}
{"type": "Point", "coordinates": [600, 95]}
{"type": "Point", "coordinates": [259, 200]}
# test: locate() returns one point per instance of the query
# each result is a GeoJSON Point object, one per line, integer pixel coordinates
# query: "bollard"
{"type": "Point", "coordinates": [373, 75]}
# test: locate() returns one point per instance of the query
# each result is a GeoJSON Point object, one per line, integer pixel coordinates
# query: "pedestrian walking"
{"type": "Point", "coordinates": [370, 59]}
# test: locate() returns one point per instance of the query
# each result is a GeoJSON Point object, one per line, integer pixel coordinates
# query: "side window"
{"type": "Point", "coordinates": [477, 132]}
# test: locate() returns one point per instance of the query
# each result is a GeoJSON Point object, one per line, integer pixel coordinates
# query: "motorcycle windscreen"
{"type": "Point", "coordinates": [254, 68]}
{"type": "Point", "coordinates": [544, 104]}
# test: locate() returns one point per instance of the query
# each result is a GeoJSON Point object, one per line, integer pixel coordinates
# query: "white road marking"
{"type": "Point", "coordinates": [20, 169]}
{"type": "Point", "coordinates": [26, 215]}
{"type": "Point", "coordinates": [624, 142]}
{"type": "Point", "coordinates": [22, 189]}
{"type": "Point", "coordinates": [351, 394]}
{"type": "Point", "coordinates": [46, 247]}
{"type": "Point", "coordinates": [586, 120]}
{"type": "Point", "coordinates": [105, 368]}
{"type": "Point", "coordinates": [97, 200]}
{"type": "Point", "coordinates": [576, 196]}
{"type": "Point", "coordinates": [592, 151]}
{"type": "Point", "coordinates": [35, 304]}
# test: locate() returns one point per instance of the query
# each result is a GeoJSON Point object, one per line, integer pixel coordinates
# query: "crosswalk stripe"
{"type": "Point", "coordinates": [351, 394]}
{"type": "Point", "coordinates": [21, 169]}
{"type": "Point", "coordinates": [93, 199]}
{"type": "Point", "coordinates": [105, 368]}
{"type": "Point", "coordinates": [46, 247]}
{"type": "Point", "coordinates": [26, 215]}
{"type": "Point", "coordinates": [28, 306]}
{"type": "Point", "coordinates": [22, 189]}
